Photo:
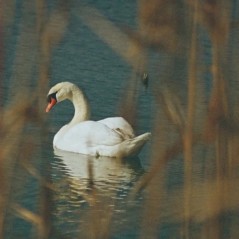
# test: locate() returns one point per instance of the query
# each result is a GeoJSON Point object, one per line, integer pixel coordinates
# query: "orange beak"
{"type": "Point", "coordinates": [51, 104]}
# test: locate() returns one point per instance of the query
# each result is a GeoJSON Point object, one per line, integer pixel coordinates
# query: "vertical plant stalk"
{"type": "Point", "coordinates": [2, 196]}
{"type": "Point", "coordinates": [128, 107]}
{"type": "Point", "coordinates": [218, 104]}
{"type": "Point", "coordinates": [1, 56]}
{"type": "Point", "coordinates": [218, 117]}
{"type": "Point", "coordinates": [43, 49]}
{"type": "Point", "coordinates": [188, 134]}
{"type": "Point", "coordinates": [156, 188]}
{"type": "Point", "coordinates": [44, 227]}
{"type": "Point", "coordinates": [49, 34]}
{"type": "Point", "coordinates": [219, 110]}
{"type": "Point", "coordinates": [2, 174]}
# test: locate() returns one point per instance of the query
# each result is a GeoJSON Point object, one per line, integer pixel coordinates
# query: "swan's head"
{"type": "Point", "coordinates": [58, 93]}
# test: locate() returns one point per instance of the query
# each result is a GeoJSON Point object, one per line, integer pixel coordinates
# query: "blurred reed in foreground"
{"type": "Point", "coordinates": [196, 118]}
{"type": "Point", "coordinates": [37, 37]}
{"type": "Point", "coordinates": [201, 124]}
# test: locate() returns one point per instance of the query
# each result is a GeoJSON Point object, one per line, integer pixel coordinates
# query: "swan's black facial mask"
{"type": "Point", "coordinates": [51, 99]}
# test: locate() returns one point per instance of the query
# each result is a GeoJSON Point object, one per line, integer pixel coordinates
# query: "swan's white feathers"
{"type": "Point", "coordinates": [113, 137]}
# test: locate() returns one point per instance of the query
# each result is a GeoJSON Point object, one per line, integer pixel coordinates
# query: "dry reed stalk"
{"type": "Point", "coordinates": [13, 121]}
{"type": "Point", "coordinates": [175, 115]}
{"type": "Point", "coordinates": [40, 14]}
{"type": "Point", "coordinates": [173, 109]}
{"type": "Point", "coordinates": [2, 187]}
{"type": "Point", "coordinates": [231, 74]}
{"type": "Point", "coordinates": [1, 55]}
{"type": "Point", "coordinates": [161, 154]}
{"type": "Point", "coordinates": [128, 104]}
{"type": "Point", "coordinates": [44, 61]}
{"type": "Point", "coordinates": [17, 149]}
{"type": "Point", "coordinates": [156, 167]}
{"type": "Point", "coordinates": [107, 31]}
{"type": "Point", "coordinates": [8, 12]}
{"type": "Point", "coordinates": [50, 33]}
{"type": "Point", "coordinates": [156, 187]}
{"type": "Point", "coordinates": [214, 15]}
{"type": "Point", "coordinates": [217, 29]}
{"type": "Point", "coordinates": [27, 215]}
{"type": "Point", "coordinates": [203, 207]}
{"type": "Point", "coordinates": [190, 119]}
{"type": "Point", "coordinates": [153, 207]}
{"type": "Point", "coordinates": [19, 114]}
{"type": "Point", "coordinates": [97, 221]}
{"type": "Point", "coordinates": [2, 199]}
{"type": "Point", "coordinates": [161, 23]}
{"type": "Point", "coordinates": [124, 45]}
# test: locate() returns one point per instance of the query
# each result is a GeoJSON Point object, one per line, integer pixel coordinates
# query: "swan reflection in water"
{"type": "Point", "coordinates": [78, 178]}
{"type": "Point", "coordinates": [79, 173]}
{"type": "Point", "coordinates": [102, 170]}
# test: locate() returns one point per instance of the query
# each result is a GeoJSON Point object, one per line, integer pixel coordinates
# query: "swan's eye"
{"type": "Point", "coordinates": [49, 97]}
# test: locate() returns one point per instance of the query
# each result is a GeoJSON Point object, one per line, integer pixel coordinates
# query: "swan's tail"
{"type": "Point", "coordinates": [132, 147]}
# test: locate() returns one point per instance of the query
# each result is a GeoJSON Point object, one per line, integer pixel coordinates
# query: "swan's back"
{"type": "Point", "coordinates": [85, 136]}
{"type": "Point", "coordinates": [120, 125]}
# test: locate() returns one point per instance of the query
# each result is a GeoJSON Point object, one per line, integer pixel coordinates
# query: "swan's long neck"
{"type": "Point", "coordinates": [82, 111]}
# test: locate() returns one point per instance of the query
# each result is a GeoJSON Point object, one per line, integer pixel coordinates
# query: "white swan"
{"type": "Point", "coordinates": [112, 137]}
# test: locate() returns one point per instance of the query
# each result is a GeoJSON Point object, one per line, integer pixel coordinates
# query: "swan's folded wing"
{"type": "Point", "coordinates": [120, 125]}
{"type": "Point", "coordinates": [90, 133]}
